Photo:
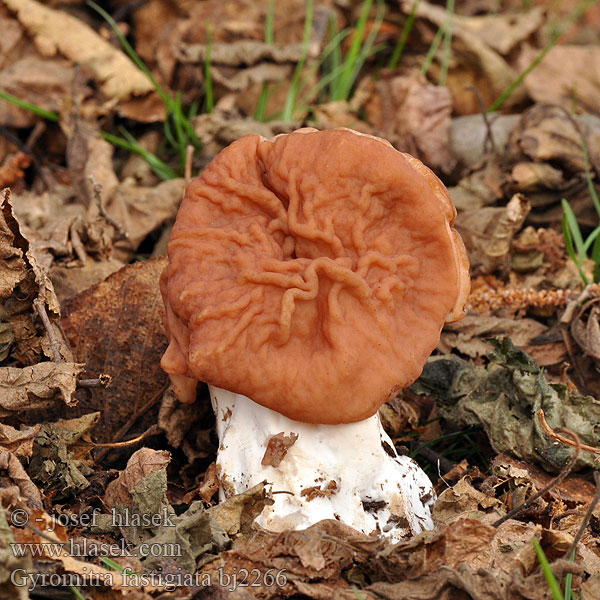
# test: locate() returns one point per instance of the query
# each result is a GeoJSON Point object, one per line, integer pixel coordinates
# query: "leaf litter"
{"type": "Point", "coordinates": [89, 427]}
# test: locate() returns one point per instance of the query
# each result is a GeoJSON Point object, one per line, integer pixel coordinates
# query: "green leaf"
{"type": "Point", "coordinates": [548, 574]}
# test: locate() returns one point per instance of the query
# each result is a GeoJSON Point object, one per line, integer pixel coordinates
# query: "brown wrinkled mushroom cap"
{"type": "Point", "coordinates": [312, 273]}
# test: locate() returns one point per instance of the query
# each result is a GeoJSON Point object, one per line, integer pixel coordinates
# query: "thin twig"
{"type": "Point", "coordinates": [97, 189]}
{"type": "Point", "coordinates": [78, 246]}
{"type": "Point", "coordinates": [489, 136]}
{"type": "Point", "coordinates": [103, 381]}
{"type": "Point", "coordinates": [566, 470]}
{"type": "Point", "coordinates": [54, 345]}
{"type": "Point", "coordinates": [133, 419]}
{"type": "Point", "coordinates": [189, 155]}
{"type": "Point", "coordinates": [560, 438]}
{"type": "Point", "coordinates": [150, 431]}
{"type": "Point", "coordinates": [588, 515]}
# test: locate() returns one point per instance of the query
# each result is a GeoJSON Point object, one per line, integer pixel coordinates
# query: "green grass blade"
{"type": "Point", "coordinates": [574, 16]}
{"type": "Point", "coordinates": [133, 55]}
{"type": "Point", "coordinates": [591, 239]}
{"type": "Point", "coordinates": [346, 78]}
{"type": "Point", "coordinates": [209, 103]}
{"type": "Point", "coordinates": [574, 228]}
{"type": "Point", "coordinates": [270, 23]}
{"type": "Point", "coordinates": [447, 41]}
{"type": "Point", "coordinates": [161, 169]}
{"type": "Point", "coordinates": [548, 574]}
{"type": "Point", "coordinates": [261, 105]}
{"type": "Point", "coordinates": [571, 249]}
{"type": "Point", "coordinates": [596, 259]}
{"type": "Point", "coordinates": [435, 44]}
{"type": "Point", "coordinates": [290, 101]}
{"type": "Point", "coordinates": [406, 30]}
{"type": "Point", "coordinates": [37, 110]}
{"type": "Point", "coordinates": [366, 49]}
{"type": "Point", "coordinates": [77, 593]}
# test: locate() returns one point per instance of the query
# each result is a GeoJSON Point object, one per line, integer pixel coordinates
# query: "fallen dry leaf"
{"type": "Point", "coordinates": [19, 490]}
{"type": "Point", "coordinates": [411, 113]}
{"type": "Point", "coordinates": [20, 443]}
{"type": "Point", "coordinates": [43, 82]}
{"type": "Point", "coordinates": [566, 75]}
{"type": "Point", "coordinates": [487, 233]}
{"type": "Point", "coordinates": [469, 335]}
{"type": "Point", "coordinates": [117, 75]}
{"type": "Point", "coordinates": [141, 463]}
{"type": "Point", "coordinates": [115, 328]}
{"type": "Point", "coordinates": [37, 386]}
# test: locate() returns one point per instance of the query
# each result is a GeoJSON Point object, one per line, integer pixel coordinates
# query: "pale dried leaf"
{"type": "Point", "coordinates": [37, 386]}
{"type": "Point", "coordinates": [487, 232]}
{"type": "Point", "coordinates": [20, 443]}
{"type": "Point", "coordinates": [468, 336]}
{"type": "Point", "coordinates": [117, 75]}
{"type": "Point", "coordinates": [566, 75]}
{"type": "Point", "coordinates": [25, 492]}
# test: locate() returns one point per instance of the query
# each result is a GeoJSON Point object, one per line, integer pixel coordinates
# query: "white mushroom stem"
{"type": "Point", "coordinates": [349, 472]}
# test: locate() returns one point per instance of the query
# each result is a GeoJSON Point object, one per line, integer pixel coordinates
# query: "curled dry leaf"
{"type": "Point", "coordinates": [20, 490]}
{"type": "Point", "coordinates": [37, 386]}
{"type": "Point", "coordinates": [566, 75]}
{"type": "Point", "coordinates": [23, 283]}
{"type": "Point", "coordinates": [12, 169]}
{"type": "Point", "coordinates": [20, 443]}
{"type": "Point", "coordinates": [479, 63]}
{"type": "Point", "coordinates": [469, 335]}
{"type": "Point", "coordinates": [117, 75]}
{"type": "Point", "coordinates": [411, 113]}
{"type": "Point", "coordinates": [505, 398]}
{"type": "Point", "coordinates": [115, 328]}
{"type": "Point", "coordinates": [488, 232]}
{"type": "Point", "coordinates": [463, 500]}
{"type": "Point", "coordinates": [43, 82]}
{"type": "Point", "coordinates": [60, 462]}
{"type": "Point", "coordinates": [142, 462]}
{"type": "Point", "coordinates": [518, 473]}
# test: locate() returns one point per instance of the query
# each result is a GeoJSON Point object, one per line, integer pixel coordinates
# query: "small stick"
{"type": "Point", "coordinates": [588, 515]}
{"type": "Point", "coordinates": [489, 136]}
{"type": "Point", "coordinates": [78, 247]}
{"type": "Point", "coordinates": [103, 381]}
{"type": "Point", "coordinates": [150, 431]}
{"type": "Point", "coordinates": [189, 155]}
{"type": "Point", "coordinates": [567, 469]}
{"type": "Point", "coordinates": [560, 438]}
{"type": "Point", "coordinates": [54, 345]}
{"type": "Point", "coordinates": [97, 189]}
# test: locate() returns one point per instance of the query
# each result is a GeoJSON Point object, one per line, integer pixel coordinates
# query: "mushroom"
{"type": "Point", "coordinates": [309, 278]}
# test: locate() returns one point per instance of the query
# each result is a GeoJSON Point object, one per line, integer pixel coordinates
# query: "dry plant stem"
{"type": "Point", "coordinates": [560, 438]}
{"type": "Point", "coordinates": [150, 431]}
{"type": "Point", "coordinates": [489, 136]}
{"type": "Point", "coordinates": [99, 382]}
{"type": "Point", "coordinates": [189, 155]}
{"type": "Point", "coordinates": [97, 189]}
{"type": "Point", "coordinates": [133, 419]}
{"type": "Point", "coordinates": [54, 345]}
{"type": "Point", "coordinates": [566, 470]}
{"type": "Point", "coordinates": [78, 247]}
{"type": "Point", "coordinates": [588, 515]}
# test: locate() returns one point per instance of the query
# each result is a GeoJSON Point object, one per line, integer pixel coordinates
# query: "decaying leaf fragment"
{"type": "Point", "coordinates": [115, 328]}
{"type": "Point", "coordinates": [505, 399]}
{"type": "Point", "coordinates": [58, 463]}
{"type": "Point", "coordinates": [26, 296]}
{"type": "Point", "coordinates": [487, 232]}
{"type": "Point", "coordinates": [117, 75]}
